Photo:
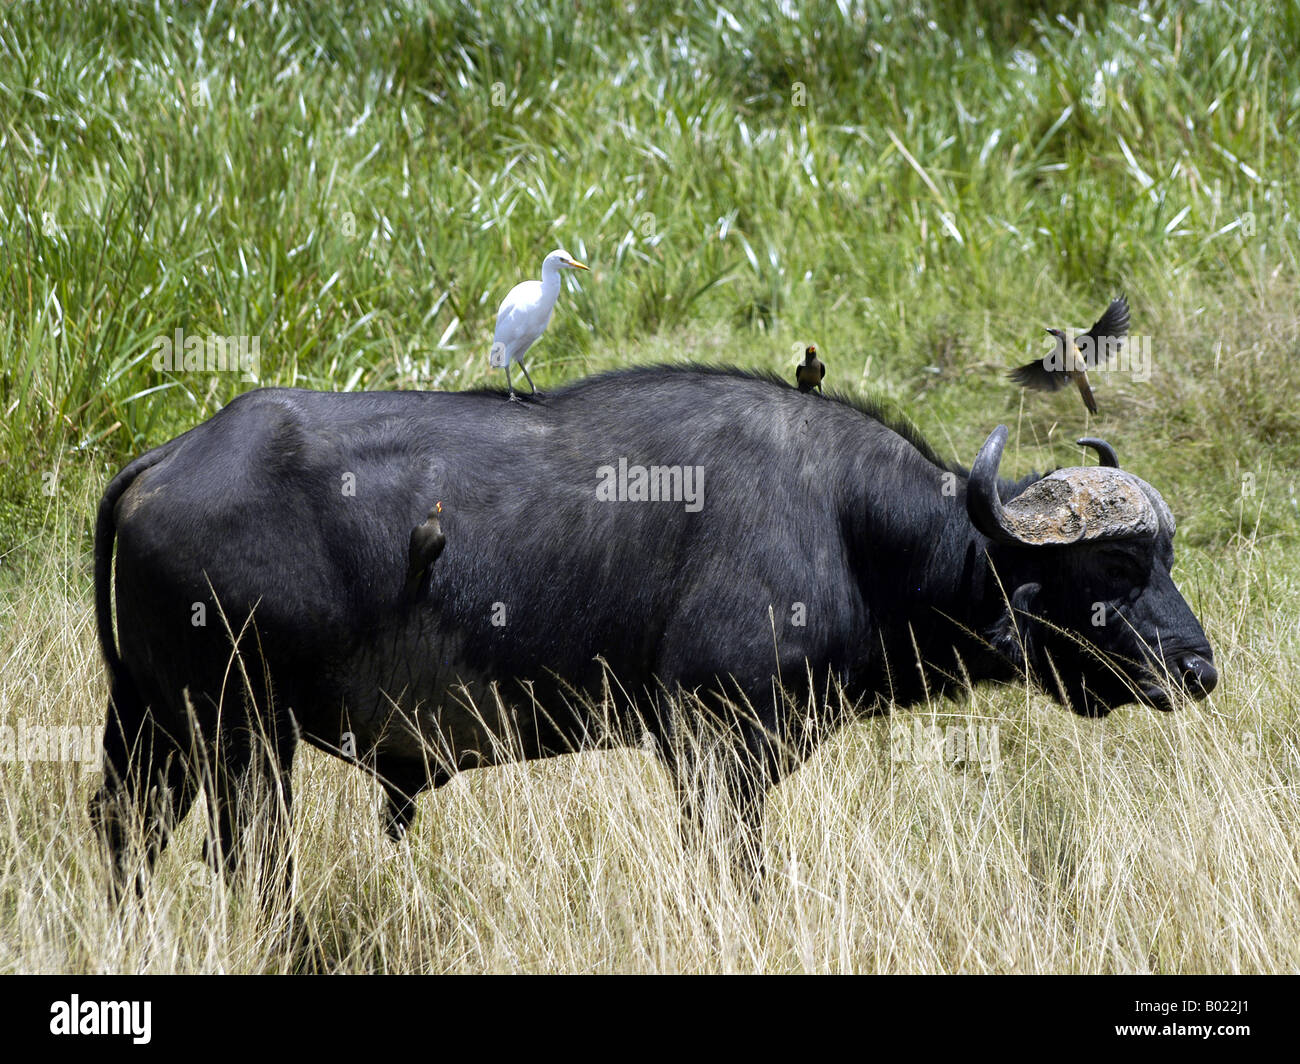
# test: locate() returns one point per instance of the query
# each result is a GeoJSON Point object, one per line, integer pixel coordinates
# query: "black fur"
{"type": "Point", "coordinates": [815, 510]}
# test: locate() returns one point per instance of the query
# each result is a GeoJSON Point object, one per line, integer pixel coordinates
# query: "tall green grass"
{"type": "Point", "coordinates": [359, 186]}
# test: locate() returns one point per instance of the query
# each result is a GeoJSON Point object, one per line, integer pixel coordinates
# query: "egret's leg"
{"type": "Point", "coordinates": [530, 379]}
{"type": "Point", "coordinates": [513, 398]}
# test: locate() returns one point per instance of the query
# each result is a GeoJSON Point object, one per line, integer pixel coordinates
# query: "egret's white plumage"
{"type": "Point", "coordinates": [525, 313]}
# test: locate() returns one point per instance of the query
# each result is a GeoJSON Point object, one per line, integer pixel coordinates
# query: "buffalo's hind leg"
{"type": "Point", "coordinates": [248, 781]}
{"type": "Point", "coordinates": [147, 789]}
{"type": "Point", "coordinates": [250, 800]}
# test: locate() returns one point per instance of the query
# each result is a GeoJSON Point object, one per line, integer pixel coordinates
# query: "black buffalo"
{"type": "Point", "coordinates": [799, 547]}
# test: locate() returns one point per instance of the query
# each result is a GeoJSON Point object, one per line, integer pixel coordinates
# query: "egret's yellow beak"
{"type": "Point", "coordinates": [579, 266]}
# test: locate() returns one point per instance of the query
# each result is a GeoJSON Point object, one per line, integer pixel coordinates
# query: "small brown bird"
{"type": "Point", "coordinates": [1071, 362]}
{"type": "Point", "coordinates": [427, 542]}
{"type": "Point", "coordinates": [809, 373]}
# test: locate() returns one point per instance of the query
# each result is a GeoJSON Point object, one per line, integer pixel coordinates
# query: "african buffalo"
{"type": "Point", "coordinates": [665, 541]}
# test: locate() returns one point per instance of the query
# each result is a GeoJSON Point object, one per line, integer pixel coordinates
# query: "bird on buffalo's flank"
{"type": "Point", "coordinates": [426, 544]}
{"type": "Point", "coordinates": [525, 313]}
{"type": "Point", "coordinates": [809, 373]}
{"type": "Point", "coordinates": [1071, 362]}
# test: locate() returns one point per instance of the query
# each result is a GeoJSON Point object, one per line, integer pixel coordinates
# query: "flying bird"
{"type": "Point", "coordinates": [426, 544]}
{"type": "Point", "coordinates": [1071, 362]}
{"type": "Point", "coordinates": [525, 313]}
{"type": "Point", "coordinates": [809, 373]}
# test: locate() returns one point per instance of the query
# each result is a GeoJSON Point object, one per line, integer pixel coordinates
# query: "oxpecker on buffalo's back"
{"type": "Point", "coordinates": [809, 373]}
{"type": "Point", "coordinates": [426, 543]}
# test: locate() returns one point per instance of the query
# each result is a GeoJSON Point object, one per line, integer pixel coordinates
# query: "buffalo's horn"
{"type": "Point", "coordinates": [1067, 506]}
{"type": "Point", "coordinates": [982, 501]}
{"type": "Point", "coordinates": [1106, 456]}
{"type": "Point", "coordinates": [1105, 452]}
{"type": "Point", "coordinates": [1163, 513]}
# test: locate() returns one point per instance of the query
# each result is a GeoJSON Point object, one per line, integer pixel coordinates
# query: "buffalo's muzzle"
{"type": "Point", "coordinates": [1198, 675]}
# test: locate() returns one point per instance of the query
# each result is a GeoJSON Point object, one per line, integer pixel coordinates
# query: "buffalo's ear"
{"type": "Point", "coordinates": [1011, 635]}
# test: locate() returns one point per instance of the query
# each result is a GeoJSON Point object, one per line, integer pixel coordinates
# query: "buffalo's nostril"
{"type": "Point", "coordinates": [1199, 676]}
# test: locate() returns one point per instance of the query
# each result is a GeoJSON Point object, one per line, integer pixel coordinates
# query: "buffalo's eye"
{"type": "Point", "coordinates": [1121, 569]}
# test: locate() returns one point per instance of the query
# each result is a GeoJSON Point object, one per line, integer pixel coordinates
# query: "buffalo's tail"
{"type": "Point", "coordinates": [105, 535]}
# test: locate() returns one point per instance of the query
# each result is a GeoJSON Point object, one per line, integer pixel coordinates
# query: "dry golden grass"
{"type": "Point", "coordinates": [1145, 843]}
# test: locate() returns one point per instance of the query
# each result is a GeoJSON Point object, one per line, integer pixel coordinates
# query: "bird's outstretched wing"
{"type": "Point", "coordinates": [1104, 338]}
{"type": "Point", "coordinates": [1037, 376]}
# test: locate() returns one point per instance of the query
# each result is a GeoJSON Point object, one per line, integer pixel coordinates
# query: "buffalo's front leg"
{"type": "Point", "coordinates": [721, 775]}
{"type": "Point", "coordinates": [403, 782]}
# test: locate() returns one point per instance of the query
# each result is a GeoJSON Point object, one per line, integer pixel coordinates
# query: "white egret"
{"type": "Point", "coordinates": [525, 313]}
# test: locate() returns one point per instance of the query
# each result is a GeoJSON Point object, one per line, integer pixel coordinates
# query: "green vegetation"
{"type": "Point", "coordinates": [915, 189]}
